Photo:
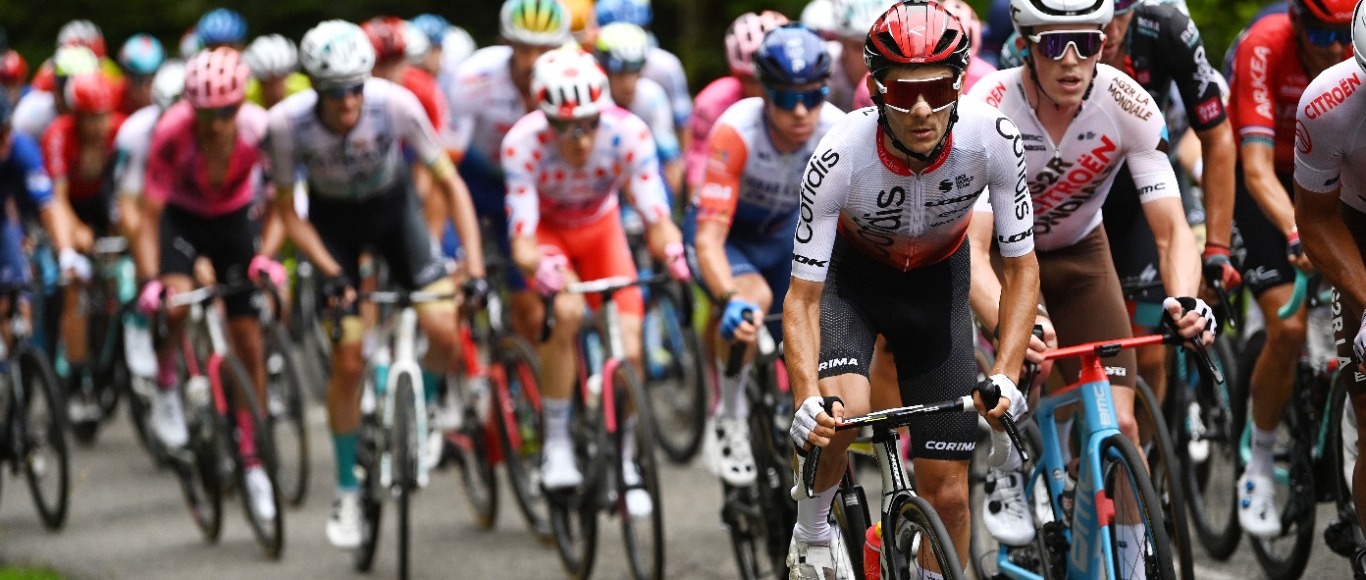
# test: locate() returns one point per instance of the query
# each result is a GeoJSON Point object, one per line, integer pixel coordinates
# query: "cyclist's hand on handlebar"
{"type": "Point", "coordinates": [811, 425]}
{"type": "Point", "coordinates": [149, 299]}
{"type": "Point", "coordinates": [1038, 347]}
{"type": "Point", "coordinates": [675, 257]}
{"type": "Point", "coordinates": [476, 291]}
{"type": "Point", "coordinates": [263, 267]}
{"type": "Point", "coordinates": [1294, 251]}
{"type": "Point", "coordinates": [1218, 266]}
{"type": "Point", "coordinates": [733, 324]}
{"type": "Point", "coordinates": [338, 291]}
{"type": "Point", "coordinates": [74, 265]}
{"type": "Point", "coordinates": [1011, 399]}
{"type": "Point", "coordinates": [1194, 318]}
{"type": "Point", "coordinates": [550, 274]}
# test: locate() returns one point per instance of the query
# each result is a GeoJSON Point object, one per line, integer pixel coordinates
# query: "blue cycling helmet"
{"type": "Point", "coordinates": [222, 26]}
{"type": "Point", "coordinates": [141, 55]}
{"type": "Point", "coordinates": [791, 55]}
{"type": "Point", "coordinates": [432, 25]}
{"type": "Point", "coordinates": [635, 12]}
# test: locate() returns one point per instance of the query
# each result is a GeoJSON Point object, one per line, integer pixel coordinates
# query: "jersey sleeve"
{"type": "Point", "coordinates": [1199, 84]}
{"type": "Point", "coordinates": [1008, 196]}
{"type": "Point", "coordinates": [1321, 134]}
{"type": "Point", "coordinates": [54, 148]}
{"type": "Point", "coordinates": [160, 162]}
{"type": "Point", "coordinates": [1253, 113]}
{"type": "Point", "coordinates": [459, 130]}
{"type": "Point", "coordinates": [725, 165]}
{"type": "Point", "coordinates": [660, 119]}
{"type": "Point", "coordinates": [413, 126]}
{"type": "Point", "coordinates": [131, 162]}
{"type": "Point", "coordinates": [819, 212]}
{"type": "Point", "coordinates": [646, 182]}
{"type": "Point", "coordinates": [1145, 139]}
{"type": "Point", "coordinates": [520, 154]}
{"type": "Point", "coordinates": [675, 84]}
{"type": "Point", "coordinates": [279, 144]}
{"type": "Point", "coordinates": [29, 158]}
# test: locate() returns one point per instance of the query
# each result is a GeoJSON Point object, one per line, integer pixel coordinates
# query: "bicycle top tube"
{"type": "Point", "coordinates": [206, 293]}
{"type": "Point", "coordinates": [406, 297]}
{"type": "Point", "coordinates": [109, 245]}
{"type": "Point", "coordinates": [608, 286]}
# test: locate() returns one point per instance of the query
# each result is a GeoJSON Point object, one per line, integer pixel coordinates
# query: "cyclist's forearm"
{"type": "Point", "coordinates": [272, 234]}
{"type": "Point", "coordinates": [129, 216]}
{"type": "Point", "coordinates": [526, 255]}
{"type": "Point", "coordinates": [466, 223]}
{"type": "Point", "coordinates": [659, 235]}
{"type": "Point", "coordinates": [985, 291]}
{"type": "Point", "coordinates": [147, 250]}
{"type": "Point", "coordinates": [1220, 156]}
{"type": "Point", "coordinates": [1329, 244]}
{"type": "Point", "coordinates": [55, 222]}
{"type": "Point", "coordinates": [711, 259]}
{"type": "Point", "coordinates": [1017, 313]}
{"type": "Point", "coordinates": [1259, 175]}
{"type": "Point", "coordinates": [304, 235]}
{"type": "Point", "coordinates": [1178, 259]}
{"type": "Point", "coordinates": [801, 336]}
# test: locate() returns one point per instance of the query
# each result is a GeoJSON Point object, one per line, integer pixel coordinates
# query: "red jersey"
{"type": "Point", "coordinates": [428, 93]}
{"type": "Point", "coordinates": [62, 154]}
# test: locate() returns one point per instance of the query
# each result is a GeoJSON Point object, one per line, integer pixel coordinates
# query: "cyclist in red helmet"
{"type": "Point", "coordinates": [13, 76]}
{"type": "Point", "coordinates": [925, 156]}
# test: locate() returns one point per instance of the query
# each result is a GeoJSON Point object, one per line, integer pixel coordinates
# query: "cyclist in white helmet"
{"type": "Point", "coordinates": [852, 19]}
{"type": "Point", "coordinates": [274, 63]}
{"type": "Point", "coordinates": [621, 48]}
{"type": "Point", "coordinates": [661, 66]}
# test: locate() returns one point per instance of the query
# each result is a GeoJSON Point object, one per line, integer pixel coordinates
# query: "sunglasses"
{"type": "Point", "coordinates": [1053, 44]}
{"type": "Point", "coordinates": [574, 127]}
{"type": "Point", "coordinates": [1327, 36]}
{"type": "Point", "coordinates": [902, 95]}
{"type": "Point", "coordinates": [340, 93]}
{"type": "Point", "coordinates": [787, 99]}
{"type": "Point", "coordinates": [217, 113]}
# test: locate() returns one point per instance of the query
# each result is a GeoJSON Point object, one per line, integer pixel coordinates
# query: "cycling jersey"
{"type": "Point", "coordinates": [714, 99]}
{"type": "Point", "coordinates": [855, 185]}
{"type": "Point", "coordinates": [131, 145]}
{"type": "Point", "coordinates": [295, 82]}
{"type": "Point", "coordinates": [33, 113]}
{"type": "Point", "coordinates": [543, 188]}
{"type": "Point", "coordinates": [364, 162]}
{"type": "Point", "coordinates": [1266, 84]}
{"type": "Point", "coordinates": [1069, 181]}
{"type": "Point", "coordinates": [747, 180]}
{"type": "Point", "coordinates": [23, 179]}
{"type": "Point", "coordinates": [662, 67]}
{"type": "Point", "coordinates": [176, 167]}
{"type": "Point", "coordinates": [424, 88]}
{"type": "Point", "coordinates": [1330, 140]}
{"type": "Point", "coordinates": [486, 104]}
{"type": "Point", "coordinates": [651, 104]}
{"type": "Point", "coordinates": [1163, 47]}
{"type": "Point", "coordinates": [62, 153]}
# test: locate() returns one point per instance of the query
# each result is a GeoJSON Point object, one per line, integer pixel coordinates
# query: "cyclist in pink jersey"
{"type": "Point", "coordinates": [742, 38]}
{"type": "Point", "coordinates": [565, 164]}
{"type": "Point", "coordinates": [205, 166]}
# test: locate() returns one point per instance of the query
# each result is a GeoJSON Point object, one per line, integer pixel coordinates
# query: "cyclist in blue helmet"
{"type": "Point", "coordinates": [432, 25]}
{"type": "Point", "coordinates": [635, 12]}
{"type": "Point", "coordinates": [222, 27]}
{"type": "Point", "coordinates": [139, 58]}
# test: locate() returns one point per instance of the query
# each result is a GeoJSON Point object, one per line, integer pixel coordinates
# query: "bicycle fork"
{"type": "Point", "coordinates": [404, 362]}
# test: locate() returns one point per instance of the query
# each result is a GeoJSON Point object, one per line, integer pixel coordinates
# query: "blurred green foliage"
{"type": "Point", "coordinates": [693, 29]}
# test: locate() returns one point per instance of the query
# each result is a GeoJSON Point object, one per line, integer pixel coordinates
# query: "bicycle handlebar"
{"type": "Point", "coordinates": [736, 358]}
{"type": "Point", "coordinates": [1297, 296]}
{"type": "Point", "coordinates": [606, 286]}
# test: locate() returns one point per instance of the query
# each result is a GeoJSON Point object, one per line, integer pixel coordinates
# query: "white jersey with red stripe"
{"type": "Point", "coordinates": [485, 104]}
{"type": "Point", "coordinates": [858, 187]}
{"type": "Point", "coordinates": [1330, 136]}
{"type": "Point", "coordinates": [1069, 180]}
{"type": "Point", "coordinates": [747, 179]}
{"type": "Point", "coordinates": [541, 186]}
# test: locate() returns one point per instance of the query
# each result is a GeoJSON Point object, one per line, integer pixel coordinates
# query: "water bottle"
{"type": "Point", "coordinates": [872, 553]}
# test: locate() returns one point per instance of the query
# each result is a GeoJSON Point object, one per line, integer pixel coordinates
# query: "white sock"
{"type": "Point", "coordinates": [555, 415]}
{"type": "Point", "coordinates": [1132, 537]}
{"type": "Point", "coordinates": [1263, 460]}
{"type": "Point", "coordinates": [733, 403]}
{"type": "Point", "coordinates": [813, 518]}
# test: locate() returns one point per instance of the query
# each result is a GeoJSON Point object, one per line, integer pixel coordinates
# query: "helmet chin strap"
{"type": "Point", "coordinates": [1038, 86]}
{"type": "Point", "coordinates": [923, 158]}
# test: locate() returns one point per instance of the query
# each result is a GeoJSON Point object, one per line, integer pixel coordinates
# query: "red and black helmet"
{"type": "Point", "coordinates": [387, 35]}
{"type": "Point", "coordinates": [916, 32]}
{"type": "Point", "coordinates": [1325, 12]}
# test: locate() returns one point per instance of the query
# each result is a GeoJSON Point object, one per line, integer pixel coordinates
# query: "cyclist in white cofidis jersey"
{"type": "Point", "coordinates": [347, 135]}
{"type": "Point", "coordinates": [1079, 121]}
{"type": "Point", "coordinates": [879, 249]}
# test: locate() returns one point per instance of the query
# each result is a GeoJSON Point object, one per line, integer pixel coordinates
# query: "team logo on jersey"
{"type": "Point", "coordinates": [1133, 100]}
{"type": "Point", "coordinates": [1303, 142]}
{"type": "Point", "coordinates": [1063, 187]}
{"type": "Point", "coordinates": [1191, 35]}
{"type": "Point", "coordinates": [816, 170]}
{"type": "Point", "coordinates": [1209, 110]}
{"type": "Point", "coordinates": [1261, 94]}
{"type": "Point", "coordinates": [1331, 98]}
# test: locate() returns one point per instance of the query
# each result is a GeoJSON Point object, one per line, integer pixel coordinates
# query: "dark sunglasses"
{"type": "Point", "coordinates": [1327, 36]}
{"type": "Point", "coordinates": [1053, 44]}
{"type": "Point", "coordinates": [787, 99]}
{"type": "Point", "coordinates": [902, 95]}
{"type": "Point", "coordinates": [340, 93]}
{"type": "Point", "coordinates": [574, 127]}
{"type": "Point", "coordinates": [217, 113]}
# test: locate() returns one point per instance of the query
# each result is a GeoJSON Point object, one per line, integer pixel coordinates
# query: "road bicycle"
{"type": "Point", "coordinates": [608, 397]}
{"type": "Point", "coordinates": [103, 302]}
{"type": "Point", "coordinates": [32, 436]}
{"type": "Point", "coordinates": [286, 402]}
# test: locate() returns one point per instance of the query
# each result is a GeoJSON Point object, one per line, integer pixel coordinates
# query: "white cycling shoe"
{"type": "Point", "coordinates": [816, 561]}
{"type": "Point", "coordinates": [638, 503]}
{"type": "Point", "coordinates": [168, 419]}
{"type": "Point", "coordinates": [730, 455]}
{"type": "Point", "coordinates": [1005, 511]}
{"type": "Point", "coordinates": [343, 526]}
{"type": "Point", "coordinates": [260, 494]}
{"type": "Point", "coordinates": [558, 471]}
{"type": "Point", "coordinates": [1257, 512]}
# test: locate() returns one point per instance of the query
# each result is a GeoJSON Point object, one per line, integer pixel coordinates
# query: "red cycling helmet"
{"type": "Point", "coordinates": [89, 93]}
{"type": "Point", "coordinates": [916, 32]}
{"type": "Point", "coordinates": [1326, 12]}
{"type": "Point", "coordinates": [13, 68]}
{"type": "Point", "coordinates": [387, 35]}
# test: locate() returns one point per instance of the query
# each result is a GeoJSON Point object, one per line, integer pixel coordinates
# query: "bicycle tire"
{"type": "Point", "coordinates": [371, 494]}
{"type": "Point", "coordinates": [404, 438]}
{"type": "Point", "coordinates": [240, 395]}
{"type": "Point", "coordinates": [1117, 452]}
{"type": "Point", "coordinates": [1166, 475]}
{"type": "Point", "coordinates": [518, 411]}
{"type": "Point", "coordinates": [744, 528]}
{"type": "Point", "coordinates": [286, 405]}
{"type": "Point", "coordinates": [574, 513]}
{"type": "Point", "coordinates": [42, 430]}
{"type": "Point", "coordinates": [909, 516]}
{"type": "Point", "coordinates": [199, 466]}
{"type": "Point", "coordinates": [474, 456]}
{"type": "Point", "coordinates": [678, 389]}
{"type": "Point", "coordinates": [772, 450]}
{"type": "Point", "coordinates": [1213, 516]}
{"type": "Point", "coordinates": [1343, 457]}
{"type": "Point", "coordinates": [643, 537]}
{"type": "Point", "coordinates": [849, 509]}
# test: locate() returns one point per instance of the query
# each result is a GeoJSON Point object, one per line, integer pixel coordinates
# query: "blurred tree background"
{"type": "Point", "coordinates": [692, 29]}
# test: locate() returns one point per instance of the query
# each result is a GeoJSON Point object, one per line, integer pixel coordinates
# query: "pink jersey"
{"type": "Point", "coordinates": [707, 108]}
{"type": "Point", "coordinates": [541, 186]}
{"type": "Point", "coordinates": [977, 68]}
{"type": "Point", "coordinates": [176, 171]}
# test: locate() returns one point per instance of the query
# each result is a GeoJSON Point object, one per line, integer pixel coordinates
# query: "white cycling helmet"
{"type": "Point", "coordinates": [271, 56]}
{"type": "Point", "coordinates": [1027, 14]}
{"type": "Point", "coordinates": [168, 84]}
{"type": "Point", "coordinates": [1359, 35]}
{"type": "Point", "coordinates": [418, 44]}
{"type": "Point", "coordinates": [535, 22]}
{"type": "Point", "coordinates": [853, 18]}
{"type": "Point", "coordinates": [336, 53]}
{"type": "Point", "coordinates": [568, 84]}
{"type": "Point", "coordinates": [819, 16]}
{"type": "Point", "coordinates": [457, 45]}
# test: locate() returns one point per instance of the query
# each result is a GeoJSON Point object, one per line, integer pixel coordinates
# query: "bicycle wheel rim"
{"type": "Point", "coordinates": [744, 527]}
{"type": "Point", "coordinates": [199, 469]}
{"type": "Point", "coordinates": [1212, 500]}
{"type": "Point", "coordinates": [46, 460]}
{"type": "Point", "coordinates": [913, 532]}
{"type": "Point", "coordinates": [285, 405]}
{"type": "Point", "coordinates": [516, 395]}
{"type": "Point", "coordinates": [371, 494]}
{"type": "Point", "coordinates": [644, 537]}
{"type": "Point", "coordinates": [405, 464]}
{"type": "Point", "coordinates": [1137, 514]}
{"type": "Point", "coordinates": [574, 513]}
{"type": "Point", "coordinates": [240, 394]}
{"type": "Point", "coordinates": [474, 459]}
{"type": "Point", "coordinates": [675, 380]}
{"type": "Point", "coordinates": [772, 450]}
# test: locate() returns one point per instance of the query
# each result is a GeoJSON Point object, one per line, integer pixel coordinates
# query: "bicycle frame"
{"type": "Point", "coordinates": [1093, 511]}
{"type": "Point", "coordinates": [398, 351]}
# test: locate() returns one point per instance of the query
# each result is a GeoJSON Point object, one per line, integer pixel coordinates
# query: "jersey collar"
{"type": "Point", "coordinates": [897, 165]}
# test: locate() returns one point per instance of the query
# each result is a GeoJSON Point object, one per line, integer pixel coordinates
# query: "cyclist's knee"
{"type": "Point", "coordinates": [568, 316]}
{"type": "Point", "coordinates": [1285, 336]}
{"type": "Point", "coordinates": [1128, 425]}
{"type": "Point", "coordinates": [347, 364]}
{"type": "Point", "coordinates": [950, 498]}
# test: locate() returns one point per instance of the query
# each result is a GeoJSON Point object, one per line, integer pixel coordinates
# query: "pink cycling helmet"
{"type": "Point", "coordinates": [744, 37]}
{"type": "Point", "coordinates": [216, 78]}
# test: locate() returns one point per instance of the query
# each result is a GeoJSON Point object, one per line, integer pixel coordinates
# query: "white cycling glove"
{"type": "Point", "coordinates": [1018, 405]}
{"type": "Point", "coordinates": [804, 420]}
{"type": "Point", "coordinates": [72, 261]}
{"type": "Point", "coordinates": [1196, 305]}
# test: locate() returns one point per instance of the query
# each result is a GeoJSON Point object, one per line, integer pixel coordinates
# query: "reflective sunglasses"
{"type": "Point", "coordinates": [217, 113]}
{"type": "Point", "coordinates": [902, 95]}
{"type": "Point", "coordinates": [1053, 44]}
{"type": "Point", "coordinates": [787, 99]}
{"type": "Point", "coordinates": [339, 93]}
{"type": "Point", "coordinates": [1327, 36]}
{"type": "Point", "coordinates": [574, 127]}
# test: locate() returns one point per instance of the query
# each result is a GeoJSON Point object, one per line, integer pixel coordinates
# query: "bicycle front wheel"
{"type": "Point", "coordinates": [1208, 434]}
{"type": "Point", "coordinates": [473, 446]}
{"type": "Point", "coordinates": [675, 376]}
{"type": "Point", "coordinates": [45, 459]}
{"type": "Point", "coordinates": [199, 467]}
{"type": "Point", "coordinates": [517, 404]}
{"type": "Point", "coordinates": [285, 405]}
{"type": "Point", "coordinates": [914, 537]}
{"type": "Point", "coordinates": [642, 529]}
{"type": "Point", "coordinates": [405, 464]}
{"type": "Point", "coordinates": [574, 512]}
{"type": "Point", "coordinates": [250, 432]}
{"type": "Point", "coordinates": [1139, 545]}
{"type": "Point", "coordinates": [1165, 468]}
